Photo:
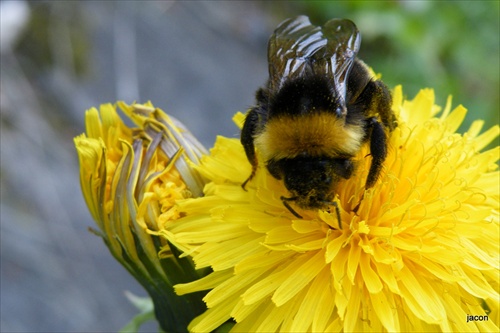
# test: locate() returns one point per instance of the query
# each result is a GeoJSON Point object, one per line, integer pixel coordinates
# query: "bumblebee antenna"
{"type": "Point", "coordinates": [285, 203]}
{"type": "Point", "coordinates": [329, 203]}
{"type": "Point", "coordinates": [355, 209]}
{"type": "Point", "coordinates": [337, 211]}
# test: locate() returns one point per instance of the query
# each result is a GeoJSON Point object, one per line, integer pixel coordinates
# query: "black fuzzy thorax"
{"type": "Point", "coordinates": [316, 93]}
{"type": "Point", "coordinates": [302, 96]}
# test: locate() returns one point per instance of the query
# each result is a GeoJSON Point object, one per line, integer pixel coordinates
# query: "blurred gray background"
{"type": "Point", "coordinates": [199, 61]}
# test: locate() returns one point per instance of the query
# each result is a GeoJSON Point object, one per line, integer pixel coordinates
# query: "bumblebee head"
{"type": "Point", "coordinates": [311, 181]}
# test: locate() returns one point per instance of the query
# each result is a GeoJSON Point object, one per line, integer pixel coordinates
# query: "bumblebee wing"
{"type": "Point", "coordinates": [337, 57]}
{"type": "Point", "coordinates": [297, 47]}
{"type": "Point", "coordinates": [290, 49]}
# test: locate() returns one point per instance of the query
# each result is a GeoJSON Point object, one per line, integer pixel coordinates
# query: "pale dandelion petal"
{"type": "Point", "coordinates": [129, 176]}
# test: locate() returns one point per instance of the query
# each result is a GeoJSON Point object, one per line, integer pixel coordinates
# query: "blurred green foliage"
{"type": "Point", "coordinates": [450, 46]}
{"type": "Point", "coordinates": [56, 36]}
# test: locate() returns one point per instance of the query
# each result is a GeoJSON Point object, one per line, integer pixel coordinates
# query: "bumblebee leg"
{"type": "Point", "coordinates": [383, 104]}
{"type": "Point", "coordinates": [247, 133]}
{"type": "Point", "coordinates": [378, 150]}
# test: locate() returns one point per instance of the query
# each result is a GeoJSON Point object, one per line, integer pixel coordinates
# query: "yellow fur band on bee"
{"type": "Point", "coordinates": [317, 134]}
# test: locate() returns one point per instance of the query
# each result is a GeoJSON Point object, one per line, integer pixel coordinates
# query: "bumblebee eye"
{"type": "Point", "coordinates": [344, 167]}
{"type": "Point", "coordinates": [325, 178]}
{"type": "Point", "coordinates": [275, 169]}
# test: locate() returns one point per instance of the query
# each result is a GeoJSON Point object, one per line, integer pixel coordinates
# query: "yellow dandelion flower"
{"type": "Point", "coordinates": [129, 176]}
{"type": "Point", "coordinates": [421, 254]}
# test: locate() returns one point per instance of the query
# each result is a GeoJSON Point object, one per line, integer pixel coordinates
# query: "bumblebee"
{"type": "Point", "coordinates": [318, 107]}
